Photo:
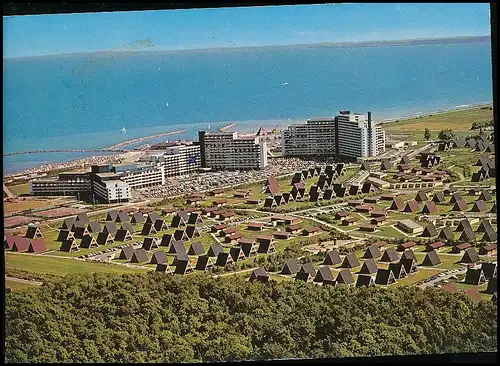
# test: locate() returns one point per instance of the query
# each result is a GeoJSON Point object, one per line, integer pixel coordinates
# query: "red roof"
{"type": "Point", "coordinates": [408, 244]}
{"type": "Point", "coordinates": [450, 287]}
{"type": "Point", "coordinates": [273, 185]}
{"type": "Point", "coordinates": [10, 240]}
{"type": "Point", "coordinates": [489, 247]}
{"type": "Point", "coordinates": [437, 245]}
{"type": "Point", "coordinates": [37, 246]}
{"type": "Point", "coordinates": [235, 236]}
{"type": "Point", "coordinates": [245, 241]}
{"type": "Point", "coordinates": [220, 226]}
{"type": "Point", "coordinates": [255, 224]}
{"type": "Point", "coordinates": [229, 230]}
{"type": "Point", "coordinates": [463, 246]}
{"type": "Point", "coordinates": [343, 213]}
{"type": "Point", "coordinates": [265, 237]}
{"type": "Point", "coordinates": [281, 234]}
{"type": "Point", "coordinates": [378, 213]}
{"type": "Point", "coordinates": [294, 227]}
{"type": "Point", "coordinates": [473, 293]}
{"type": "Point", "coordinates": [21, 244]}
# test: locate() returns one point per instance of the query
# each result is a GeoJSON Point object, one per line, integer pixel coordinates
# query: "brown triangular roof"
{"type": "Point", "coordinates": [196, 248]}
{"type": "Point", "coordinates": [272, 185]}
{"type": "Point", "coordinates": [429, 231]}
{"type": "Point", "coordinates": [397, 204]}
{"type": "Point", "coordinates": [446, 233]}
{"type": "Point", "coordinates": [411, 206]}
{"type": "Point", "coordinates": [259, 274]}
{"type": "Point", "coordinates": [479, 206]}
{"type": "Point", "coordinates": [431, 259]}
{"type": "Point", "coordinates": [463, 224]}
{"type": "Point", "coordinates": [37, 246]}
{"type": "Point", "coordinates": [324, 274]}
{"type": "Point", "coordinates": [421, 196]}
{"type": "Point", "coordinates": [291, 267]}
{"type": "Point", "coordinates": [390, 255]}
{"type": "Point", "coordinates": [345, 277]}
{"type": "Point", "coordinates": [139, 256]}
{"type": "Point", "coordinates": [369, 267]}
{"type": "Point", "coordinates": [438, 197]}
{"type": "Point", "coordinates": [398, 269]}
{"type": "Point", "coordinates": [430, 208]}
{"type": "Point", "coordinates": [332, 258]}
{"type": "Point", "coordinates": [372, 252]}
{"type": "Point", "coordinates": [204, 263]}
{"type": "Point", "coordinates": [159, 257]}
{"type": "Point", "coordinates": [138, 218]}
{"type": "Point", "coordinates": [122, 235]}
{"type": "Point", "coordinates": [408, 254]}
{"type": "Point", "coordinates": [350, 261]}
{"type": "Point", "coordinates": [470, 256]}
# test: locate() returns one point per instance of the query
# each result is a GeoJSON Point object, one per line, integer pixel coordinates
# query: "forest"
{"type": "Point", "coordinates": [155, 317]}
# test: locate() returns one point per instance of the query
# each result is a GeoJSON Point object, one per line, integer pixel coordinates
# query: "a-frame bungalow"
{"type": "Point", "coordinates": [259, 274]}
{"type": "Point", "coordinates": [429, 231]}
{"type": "Point", "coordinates": [438, 198]}
{"type": "Point", "coordinates": [166, 240]}
{"type": "Point", "coordinates": [69, 246]}
{"type": "Point", "coordinates": [159, 257]}
{"type": "Point", "coordinates": [248, 246]}
{"type": "Point", "coordinates": [104, 238]}
{"type": "Point", "coordinates": [37, 246]}
{"type": "Point", "coordinates": [21, 244]}
{"type": "Point", "coordinates": [332, 258]}
{"type": "Point", "coordinates": [181, 234]}
{"type": "Point", "coordinates": [215, 249]}
{"type": "Point", "coordinates": [67, 223]}
{"type": "Point", "coordinates": [237, 254]}
{"type": "Point", "coordinates": [372, 252]}
{"type": "Point", "coordinates": [88, 242]}
{"type": "Point", "coordinates": [390, 255]}
{"type": "Point", "coordinates": [463, 224]}
{"type": "Point", "coordinates": [291, 267]}
{"type": "Point", "coordinates": [65, 235]}
{"type": "Point", "coordinates": [163, 268]}
{"type": "Point", "coordinates": [177, 247]}
{"type": "Point", "coordinates": [365, 280]}
{"type": "Point", "coordinates": [148, 229]}
{"type": "Point", "coordinates": [82, 217]}
{"type": "Point", "coordinates": [160, 225]}
{"type": "Point", "coordinates": [123, 235]}
{"type": "Point", "coordinates": [385, 277]}
{"type": "Point", "coordinates": [345, 277]}
{"type": "Point", "coordinates": [409, 264]}
{"type": "Point", "coordinates": [431, 259]}
{"type": "Point", "coordinates": [460, 205]}
{"type": "Point", "coordinates": [138, 218]}
{"type": "Point", "coordinates": [489, 235]}
{"type": "Point", "coordinates": [470, 256]}
{"type": "Point", "coordinates": [350, 261]}
{"type": "Point", "coordinates": [204, 263]}
{"type": "Point", "coordinates": [323, 274]}
{"type": "Point", "coordinates": [223, 259]}
{"type": "Point", "coordinates": [152, 217]}
{"type": "Point", "coordinates": [109, 227]}
{"type": "Point", "coordinates": [192, 232]}
{"type": "Point", "coordinates": [266, 245]}
{"type": "Point", "coordinates": [196, 248]}
{"type": "Point", "coordinates": [150, 243]}
{"type": "Point", "coordinates": [398, 269]}
{"type": "Point", "coordinates": [122, 217]}
{"type": "Point", "coordinates": [34, 232]}
{"type": "Point", "coordinates": [139, 256]}
{"type": "Point", "coordinates": [468, 235]}
{"type": "Point", "coordinates": [474, 276]}
{"type": "Point", "coordinates": [369, 267]}
{"type": "Point", "coordinates": [408, 254]}
{"type": "Point", "coordinates": [112, 215]}
{"type": "Point", "coordinates": [446, 233]}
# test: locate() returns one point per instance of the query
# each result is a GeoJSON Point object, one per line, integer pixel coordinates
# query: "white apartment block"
{"type": "Point", "coordinates": [316, 137]}
{"type": "Point", "coordinates": [177, 158]}
{"type": "Point", "coordinates": [143, 176]}
{"type": "Point", "coordinates": [228, 151]}
{"type": "Point", "coordinates": [107, 187]}
{"type": "Point", "coordinates": [349, 135]}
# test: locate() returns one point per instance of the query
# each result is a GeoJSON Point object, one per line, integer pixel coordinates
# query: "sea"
{"type": "Point", "coordinates": [81, 101]}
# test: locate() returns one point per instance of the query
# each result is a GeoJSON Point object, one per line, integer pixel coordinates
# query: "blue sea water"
{"type": "Point", "coordinates": [83, 101]}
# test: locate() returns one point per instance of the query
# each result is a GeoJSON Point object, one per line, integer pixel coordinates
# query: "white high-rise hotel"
{"type": "Point", "coordinates": [348, 135]}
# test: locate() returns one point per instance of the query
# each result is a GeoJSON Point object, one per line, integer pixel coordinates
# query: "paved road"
{"type": "Point", "coordinates": [445, 277]}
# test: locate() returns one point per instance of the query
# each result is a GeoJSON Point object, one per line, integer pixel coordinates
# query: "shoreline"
{"type": "Point", "coordinates": [82, 161]}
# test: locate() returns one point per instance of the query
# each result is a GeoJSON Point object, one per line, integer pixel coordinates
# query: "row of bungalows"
{"type": "Point", "coordinates": [481, 273]}
{"type": "Point", "coordinates": [428, 160]}
{"type": "Point", "coordinates": [16, 243]}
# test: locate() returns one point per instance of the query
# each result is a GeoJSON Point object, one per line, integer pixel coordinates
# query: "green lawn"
{"type": "Point", "coordinates": [20, 189]}
{"type": "Point", "coordinates": [16, 286]}
{"type": "Point", "coordinates": [422, 274]}
{"type": "Point", "coordinates": [56, 266]}
{"type": "Point", "coordinates": [460, 120]}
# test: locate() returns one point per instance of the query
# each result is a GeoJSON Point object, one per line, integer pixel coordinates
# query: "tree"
{"type": "Point", "coordinates": [446, 134]}
{"type": "Point", "coordinates": [427, 134]}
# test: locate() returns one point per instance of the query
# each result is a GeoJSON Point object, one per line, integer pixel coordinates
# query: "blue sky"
{"type": "Point", "coordinates": [34, 35]}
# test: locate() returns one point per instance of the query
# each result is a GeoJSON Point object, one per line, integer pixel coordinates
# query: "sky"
{"type": "Point", "coordinates": [36, 35]}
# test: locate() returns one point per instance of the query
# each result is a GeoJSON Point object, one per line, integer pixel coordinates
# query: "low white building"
{"type": "Point", "coordinates": [107, 187]}
{"type": "Point", "coordinates": [138, 176]}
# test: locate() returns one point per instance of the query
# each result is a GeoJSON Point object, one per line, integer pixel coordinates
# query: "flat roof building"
{"type": "Point", "coordinates": [230, 151]}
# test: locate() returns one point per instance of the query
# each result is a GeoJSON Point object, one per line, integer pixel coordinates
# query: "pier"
{"type": "Point", "coordinates": [118, 148]}
{"type": "Point", "coordinates": [225, 128]}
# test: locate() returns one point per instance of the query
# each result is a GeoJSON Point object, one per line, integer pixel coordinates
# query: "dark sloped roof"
{"type": "Point", "coordinates": [345, 277]}
{"type": "Point", "coordinates": [93, 227]}
{"type": "Point", "coordinates": [148, 229]}
{"type": "Point", "coordinates": [215, 249]}
{"type": "Point", "coordinates": [37, 246]}
{"type": "Point", "coordinates": [127, 252]}
{"type": "Point", "coordinates": [431, 259]}
{"type": "Point", "coordinates": [159, 257]}
{"type": "Point", "coordinates": [82, 217]}
{"type": "Point", "coordinates": [470, 256]}
{"type": "Point", "coordinates": [492, 286]}
{"type": "Point", "coordinates": [369, 267]}
{"type": "Point", "coordinates": [68, 245]}
{"type": "Point", "coordinates": [139, 256]}
{"type": "Point", "coordinates": [429, 231]}
{"type": "Point", "coordinates": [411, 206]}
{"type": "Point", "coordinates": [177, 247]}
{"type": "Point", "coordinates": [138, 218]}
{"type": "Point", "coordinates": [104, 238]}
{"type": "Point", "coordinates": [408, 254]}
{"type": "Point", "coordinates": [421, 196]}
{"type": "Point", "coordinates": [273, 186]}
{"type": "Point", "coordinates": [485, 195]}
{"type": "Point", "coordinates": [438, 197]}
{"type": "Point", "coordinates": [68, 223]}
{"type": "Point", "coordinates": [479, 206]}
{"type": "Point", "coordinates": [112, 215]}
{"type": "Point", "coordinates": [332, 258]}
{"type": "Point", "coordinates": [365, 280]}
{"type": "Point", "coordinates": [324, 273]}
{"type": "Point", "coordinates": [430, 208]}
{"type": "Point", "coordinates": [88, 242]}
{"type": "Point", "coordinates": [475, 276]}
{"type": "Point", "coordinates": [259, 274]}
{"type": "Point", "coordinates": [309, 268]}
{"type": "Point", "coordinates": [196, 248]}
{"type": "Point", "coordinates": [122, 217]}
{"type": "Point", "coordinates": [20, 244]}
{"type": "Point", "coordinates": [350, 261]}
{"type": "Point", "coordinates": [446, 233]}
{"type": "Point", "coordinates": [468, 235]}
{"type": "Point", "coordinates": [398, 269]}
{"type": "Point", "coordinates": [463, 224]}
{"type": "Point", "coordinates": [150, 242]}
{"type": "Point", "coordinates": [109, 227]}
{"type": "Point", "coordinates": [204, 263]}
{"type": "Point", "coordinates": [390, 255]}
{"type": "Point", "coordinates": [489, 235]}
{"type": "Point", "coordinates": [33, 232]}
{"type": "Point", "coordinates": [372, 252]}
{"type": "Point", "coordinates": [122, 235]}
{"type": "Point", "coordinates": [409, 264]}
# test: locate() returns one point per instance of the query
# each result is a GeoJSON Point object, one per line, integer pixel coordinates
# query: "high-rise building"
{"type": "Point", "coordinates": [347, 135]}
{"type": "Point", "coordinates": [230, 151]}
{"type": "Point", "coordinates": [177, 158]}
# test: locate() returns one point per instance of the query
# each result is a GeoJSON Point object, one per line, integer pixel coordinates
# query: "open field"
{"type": "Point", "coordinates": [56, 266]}
{"type": "Point", "coordinates": [20, 189]}
{"type": "Point", "coordinates": [460, 120]}
{"type": "Point", "coordinates": [17, 286]}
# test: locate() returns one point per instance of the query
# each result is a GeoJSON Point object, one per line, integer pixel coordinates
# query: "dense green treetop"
{"type": "Point", "coordinates": [155, 317]}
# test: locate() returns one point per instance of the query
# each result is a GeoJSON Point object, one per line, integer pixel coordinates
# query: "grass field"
{"type": "Point", "coordinates": [456, 120]}
{"type": "Point", "coordinates": [422, 274]}
{"type": "Point", "coordinates": [16, 286]}
{"type": "Point", "coordinates": [56, 266]}
{"type": "Point", "coordinates": [20, 189]}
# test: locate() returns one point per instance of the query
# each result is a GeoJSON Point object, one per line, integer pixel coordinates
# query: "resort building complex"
{"type": "Point", "coordinates": [176, 158]}
{"type": "Point", "coordinates": [229, 151]}
{"type": "Point", "coordinates": [348, 135]}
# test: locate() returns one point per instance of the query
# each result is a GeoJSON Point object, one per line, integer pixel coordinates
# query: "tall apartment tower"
{"type": "Point", "coordinates": [228, 150]}
{"type": "Point", "coordinates": [347, 135]}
